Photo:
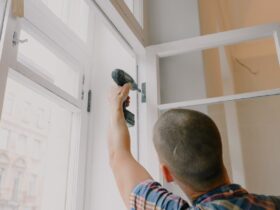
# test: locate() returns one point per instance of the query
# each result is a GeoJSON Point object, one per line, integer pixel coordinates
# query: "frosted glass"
{"type": "Point", "coordinates": [36, 157]}
{"type": "Point", "coordinates": [75, 14]}
{"type": "Point", "coordinates": [49, 64]}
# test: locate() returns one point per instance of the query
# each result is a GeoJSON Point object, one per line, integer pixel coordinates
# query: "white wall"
{"type": "Point", "coordinates": [172, 20]}
{"type": "Point", "coordinates": [182, 78]}
{"type": "Point", "coordinates": [101, 189]}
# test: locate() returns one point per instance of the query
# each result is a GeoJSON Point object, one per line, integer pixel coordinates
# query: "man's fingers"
{"type": "Point", "coordinates": [125, 91]}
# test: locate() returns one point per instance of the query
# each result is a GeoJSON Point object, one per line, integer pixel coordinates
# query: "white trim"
{"type": "Point", "coordinates": [77, 148]}
{"type": "Point", "coordinates": [77, 56]}
{"type": "Point", "coordinates": [54, 48]}
{"type": "Point", "coordinates": [51, 45]}
{"type": "Point", "coordinates": [46, 84]}
{"type": "Point", "coordinates": [73, 164]}
{"type": "Point", "coordinates": [113, 28]}
{"type": "Point", "coordinates": [7, 52]}
{"type": "Point", "coordinates": [214, 40]}
{"type": "Point", "coordinates": [43, 19]}
{"type": "Point", "coordinates": [3, 11]}
{"type": "Point", "coordinates": [138, 11]}
{"type": "Point", "coordinates": [276, 36]}
{"type": "Point", "coordinates": [25, 74]}
{"type": "Point", "coordinates": [222, 99]}
{"type": "Point", "coordinates": [130, 19]}
{"type": "Point", "coordinates": [232, 123]}
{"type": "Point", "coordinates": [150, 159]}
{"type": "Point", "coordinates": [120, 25]}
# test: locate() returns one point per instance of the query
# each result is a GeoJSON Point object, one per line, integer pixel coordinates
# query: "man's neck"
{"type": "Point", "coordinates": [193, 195]}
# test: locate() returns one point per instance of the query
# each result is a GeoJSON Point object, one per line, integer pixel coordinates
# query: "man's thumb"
{"type": "Point", "coordinates": [125, 91]}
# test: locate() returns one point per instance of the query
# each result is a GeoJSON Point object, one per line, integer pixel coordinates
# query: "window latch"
{"type": "Point", "coordinates": [89, 101]}
{"type": "Point", "coordinates": [17, 41]}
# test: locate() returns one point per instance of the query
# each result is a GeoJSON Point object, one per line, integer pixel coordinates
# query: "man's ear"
{"type": "Point", "coordinates": [166, 173]}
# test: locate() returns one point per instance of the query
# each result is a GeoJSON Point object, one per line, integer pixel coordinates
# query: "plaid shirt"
{"type": "Point", "coordinates": [150, 195]}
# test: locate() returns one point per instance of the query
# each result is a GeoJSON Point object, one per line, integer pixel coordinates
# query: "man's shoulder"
{"type": "Point", "coordinates": [251, 201]}
{"type": "Point", "coordinates": [274, 199]}
{"type": "Point", "coordinates": [151, 195]}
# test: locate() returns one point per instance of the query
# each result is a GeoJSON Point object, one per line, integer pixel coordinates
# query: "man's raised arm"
{"type": "Point", "coordinates": [127, 171]}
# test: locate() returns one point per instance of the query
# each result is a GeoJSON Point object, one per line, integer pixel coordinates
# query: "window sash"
{"type": "Point", "coordinates": [8, 54]}
{"type": "Point", "coordinates": [75, 141]}
{"type": "Point", "coordinates": [48, 23]}
{"type": "Point", "coordinates": [64, 56]}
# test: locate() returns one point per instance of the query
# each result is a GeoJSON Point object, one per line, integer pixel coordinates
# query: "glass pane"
{"type": "Point", "coordinates": [49, 64]}
{"type": "Point", "coordinates": [74, 13]}
{"type": "Point", "coordinates": [240, 68]}
{"type": "Point", "coordinates": [34, 150]}
{"type": "Point", "coordinates": [252, 127]}
{"type": "Point", "coordinates": [4, 136]}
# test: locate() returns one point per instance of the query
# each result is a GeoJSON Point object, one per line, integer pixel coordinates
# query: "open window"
{"type": "Point", "coordinates": [45, 64]}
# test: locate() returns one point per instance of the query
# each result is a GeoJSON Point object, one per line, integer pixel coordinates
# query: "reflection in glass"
{"type": "Point", "coordinates": [48, 64]}
{"type": "Point", "coordinates": [75, 14]}
{"type": "Point", "coordinates": [34, 154]}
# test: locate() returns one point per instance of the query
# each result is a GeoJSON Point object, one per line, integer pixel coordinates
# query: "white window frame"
{"type": "Point", "coordinates": [130, 17]}
{"type": "Point", "coordinates": [63, 37]}
{"type": "Point", "coordinates": [154, 106]}
{"type": "Point", "coordinates": [124, 21]}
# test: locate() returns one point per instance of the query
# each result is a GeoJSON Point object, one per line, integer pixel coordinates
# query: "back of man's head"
{"type": "Point", "coordinates": [190, 144]}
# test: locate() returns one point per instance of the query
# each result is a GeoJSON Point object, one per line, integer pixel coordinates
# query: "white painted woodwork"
{"type": "Point", "coordinates": [232, 123]}
{"type": "Point", "coordinates": [130, 19]}
{"type": "Point", "coordinates": [150, 161]}
{"type": "Point", "coordinates": [8, 54]}
{"type": "Point", "coordinates": [112, 13]}
{"type": "Point", "coordinates": [41, 17]}
{"type": "Point", "coordinates": [46, 84]}
{"type": "Point", "coordinates": [276, 36]}
{"type": "Point", "coordinates": [221, 99]}
{"type": "Point", "coordinates": [109, 55]}
{"type": "Point", "coordinates": [7, 51]}
{"type": "Point", "coordinates": [214, 40]}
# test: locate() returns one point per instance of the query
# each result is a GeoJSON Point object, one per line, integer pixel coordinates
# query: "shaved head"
{"type": "Point", "coordinates": [189, 143]}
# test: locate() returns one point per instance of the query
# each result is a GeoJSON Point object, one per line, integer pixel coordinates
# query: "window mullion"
{"type": "Point", "coordinates": [7, 50]}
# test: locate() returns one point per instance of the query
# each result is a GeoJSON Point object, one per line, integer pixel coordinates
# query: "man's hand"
{"type": "Point", "coordinates": [118, 96]}
{"type": "Point", "coordinates": [127, 171]}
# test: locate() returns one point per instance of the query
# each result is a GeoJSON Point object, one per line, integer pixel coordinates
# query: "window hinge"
{"type": "Point", "coordinates": [143, 93]}
{"type": "Point", "coordinates": [17, 41]}
{"type": "Point", "coordinates": [84, 79]}
{"type": "Point", "coordinates": [89, 101]}
{"type": "Point", "coordinates": [83, 95]}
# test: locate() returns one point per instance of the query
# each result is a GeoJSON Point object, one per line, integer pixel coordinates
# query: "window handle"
{"type": "Point", "coordinates": [17, 41]}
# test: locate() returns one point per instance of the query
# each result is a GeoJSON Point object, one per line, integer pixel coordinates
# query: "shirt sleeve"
{"type": "Point", "coordinates": [276, 200]}
{"type": "Point", "coordinates": [150, 195]}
